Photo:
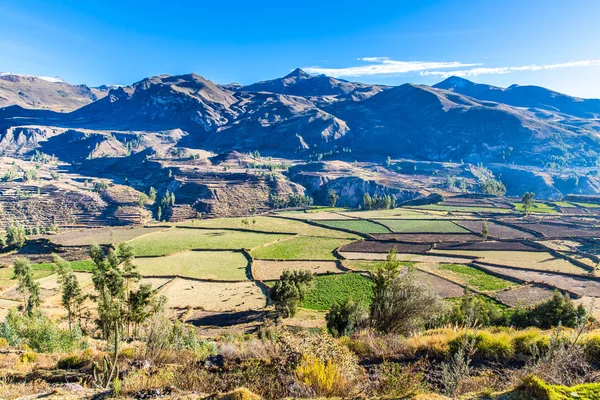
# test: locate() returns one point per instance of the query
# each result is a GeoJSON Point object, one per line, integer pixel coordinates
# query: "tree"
{"type": "Point", "coordinates": [484, 230]}
{"type": "Point", "coordinates": [559, 310]}
{"type": "Point", "coordinates": [152, 193]}
{"type": "Point", "coordinates": [288, 293]}
{"type": "Point", "coordinates": [367, 202]}
{"type": "Point", "coordinates": [142, 200]}
{"type": "Point", "coordinates": [400, 304]}
{"type": "Point", "coordinates": [332, 198]}
{"type": "Point", "coordinates": [388, 162]}
{"type": "Point", "coordinates": [493, 187]}
{"type": "Point", "coordinates": [344, 318]}
{"type": "Point", "coordinates": [69, 287]}
{"type": "Point", "coordinates": [528, 200]}
{"type": "Point", "coordinates": [394, 201]}
{"type": "Point", "coordinates": [15, 234]}
{"type": "Point", "coordinates": [29, 288]}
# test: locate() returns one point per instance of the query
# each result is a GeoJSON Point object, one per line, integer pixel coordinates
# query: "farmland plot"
{"type": "Point", "coordinates": [357, 225]}
{"type": "Point", "coordinates": [300, 248]}
{"type": "Point", "coordinates": [328, 289]}
{"type": "Point", "coordinates": [524, 296]}
{"type": "Point", "coordinates": [266, 270]}
{"type": "Point", "coordinates": [495, 230]}
{"type": "Point", "coordinates": [180, 239]}
{"type": "Point", "coordinates": [422, 226]}
{"type": "Point", "coordinates": [217, 265]}
{"type": "Point", "coordinates": [91, 236]}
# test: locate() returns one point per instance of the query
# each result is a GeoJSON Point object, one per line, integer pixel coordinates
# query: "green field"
{"type": "Point", "coordinates": [180, 239]}
{"type": "Point", "coordinates": [219, 265]}
{"type": "Point", "coordinates": [587, 205]}
{"type": "Point", "coordinates": [327, 289]}
{"type": "Point", "coordinates": [536, 207]}
{"type": "Point", "coordinates": [563, 204]}
{"type": "Point", "coordinates": [440, 207]}
{"type": "Point", "coordinates": [393, 213]}
{"type": "Point", "coordinates": [78, 266]}
{"type": "Point", "coordinates": [301, 248]}
{"type": "Point", "coordinates": [424, 226]}
{"type": "Point", "coordinates": [362, 226]}
{"type": "Point", "coordinates": [476, 278]}
{"type": "Point", "coordinates": [7, 275]}
{"type": "Point", "coordinates": [268, 224]}
{"type": "Point", "coordinates": [368, 265]}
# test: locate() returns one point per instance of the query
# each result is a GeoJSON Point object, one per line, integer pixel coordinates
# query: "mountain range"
{"type": "Point", "coordinates": [301, 115]}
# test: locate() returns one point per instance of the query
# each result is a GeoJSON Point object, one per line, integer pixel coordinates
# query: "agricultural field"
{"type": "Point", "coordinates": [215, 265]}
{"type": "Point", "coordinates": [181, 239]}
{"type": "Point", "coordinates": [218, 266]}
{"type": "Point", "coordinates": [328, 289]}
{"type": "Point", "coordinates": [362, 226]}
{"type": "Point", "coordinates": [475, 278]}
{"type": "Point", "coordinates": [300, 248]}
{"type": "Point", "coordinates": [536, 208]}
{"type": "Point", "coordinates": [422, 226]}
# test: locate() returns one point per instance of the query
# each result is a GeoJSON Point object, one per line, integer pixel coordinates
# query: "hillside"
{"type": "Point", "coordinates": [45, 93]}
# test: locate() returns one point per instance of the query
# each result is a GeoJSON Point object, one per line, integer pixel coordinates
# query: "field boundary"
{"type": "Point", "coordinates": [313, 223]}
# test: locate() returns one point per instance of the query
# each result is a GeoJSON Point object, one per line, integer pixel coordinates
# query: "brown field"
{"type": "Point", "coordinates": [214, 296]}
{"type": "Point", "coordinates": [442, 287]}
{"type": "Point", "coordinates": [522, 259]}
{"type": "Point", "coordinates": [426, 258]}
{"type": "Point", "coordinates": [487, 246]}
{"type": "Point", "coordinates": [266, 270]}
{"type": "Point", "coordinates": [428, 237]}
{"type": "Point", "coordinates": [560, 231]}
{"type": "Point", "coordinates": [86, 237]}
{"type": "Point", "coordinates": [580, 286]}
{"type": "Point", "coordinates": [495, 230]}
{"type": "Point", "coordinates": [524, 296]}
{"type": "Point", "coordinates": [316, 216]}
{"type": "Point", "coordinates": [372, 246]}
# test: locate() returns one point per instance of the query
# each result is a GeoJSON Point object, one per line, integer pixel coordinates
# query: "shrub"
{"type": "Point", "coordinates": [344, 318]}
{"type": "Point", "coordinates": [559, 310]}
{"type": "Point", "coordinates": [289, 292]}
{"type": "Point", "coordinates": [530, 342]}
{"type": "Point", "coordinates": [28, 356]}
{"type": "Point", "coordinates": [397, 380]}
{"type": "Point", "coordinates": [73, 361]}
{"type": "Point", "coordinates": [325, 378]}
{"type": "Point", "coordinates": [40, 334]}
{"type": "Point", "coordinates": [591, 344]}
{"type": "Point", "coordinates": [487, 345]}
{"type": "Point", "coordinates": [3, 343]}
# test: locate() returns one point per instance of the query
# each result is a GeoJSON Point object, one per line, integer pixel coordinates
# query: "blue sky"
{"type": "Point", "coordinates": [552, 43]}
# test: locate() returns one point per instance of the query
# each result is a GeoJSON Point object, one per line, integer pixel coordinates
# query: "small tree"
{"type": "Point", "coordinates": [528, 200]}
{"type": "Point", "coordinates": [29, 288]}
{"type": "Point", "coordinates": [400, 304]}
{"type": "Point", "coordinates": [388, 162]}
{"type": "Point", "coordinates": [69, 286]}
{"type": "Point", "coordinates": [332, 198]}
{"type": "Point", "coordinates": [344, 318]}
{"type": "Point", "coordinates": [15, 235]}
{"type": "Point", "coordinates": [288, 293]}
{"type": "Point", "coordinates": [367, 201]}
{"type": "Point", "coordinates": [152, 193]}
{"type": "Point", "coordinates": [484, 230]}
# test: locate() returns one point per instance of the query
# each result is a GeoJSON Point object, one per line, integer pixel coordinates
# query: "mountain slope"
{"type": "Point", "coordinates": [299, 83]}
{"type": "Point", "coordinates": [524, 96]}
{"type": "Point", "coordinates": [45, 93]}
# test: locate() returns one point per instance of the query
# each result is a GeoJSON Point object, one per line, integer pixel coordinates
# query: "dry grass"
{"type": "Point", "coordinates": [214, 296]}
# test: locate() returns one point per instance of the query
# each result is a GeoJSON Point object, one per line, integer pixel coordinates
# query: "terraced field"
{"type": "Point", "coordinates": [181, 239]}
{"type": "Point", "coordinates": [218, 266]}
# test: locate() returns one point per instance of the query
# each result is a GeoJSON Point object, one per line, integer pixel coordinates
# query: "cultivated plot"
{"type": "Point", "coordinates": [180, 239]}
{"type": "Point", "coordinates": [357, 225]}
{"type": "Point", "coordinates": [269, 224]}
{"type": "Point", "coordinates": [328, 289]}
{"type": "Point", "coordinates": [300, 248]}
{"type": "Point", "coordinates": [217, 265]}
{"type": "Point", "coordinates": [525, 295]}
{"type": "Point", "coordinates": [214, 296]}
{"type": "Point", "coordinates": [422, 226]}
{"type": "Point", "coordinates": [266, 270]}
{"type": "Point", "coordinates": [522, 259]}
{"type": "Point", "coordinates": [90, 236]}
{"type": "Point", "coordinates": [474, 277]}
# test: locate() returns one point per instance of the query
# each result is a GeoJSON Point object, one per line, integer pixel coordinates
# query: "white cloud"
{"type": "Point", "coordinates": [385, 66]}
{"type": "Point", "coordinates": [508, 70]}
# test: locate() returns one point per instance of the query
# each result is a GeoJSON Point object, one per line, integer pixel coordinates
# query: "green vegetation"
{"type": "Point", "coordinates": [329, 289]}
{"type": "Point", "coordinates": [77, 266]}
{"type": "Point", "coordinates": [466, 209]}
{"type": "Point", "coordinates": [269, 224]}
{"type": "Point", "coordinates": [289, 291]}
{"type": "Point", "coordinates": [7, 276]}
{"type": "Point", "coordinates": [362, 226]}
{"type": "Point", "coordinates": [586, 205]}
{"type": "Point", "coordinates": [180, 239]}
{"type": "Point", "coordinates": [425, 226]}
{"type": "Point", "coordinates": [536, 208]}
{"type": "Point", "coordinates": [300, 248]}
{"type": "Point", "coordinates": [226, 265]}
{"type": "Point", "coordinates": [533, 387]}
{"type": "Point", "coordinates": [477, 278]}
{"type": "Point", "coordinates": [368, 265]}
